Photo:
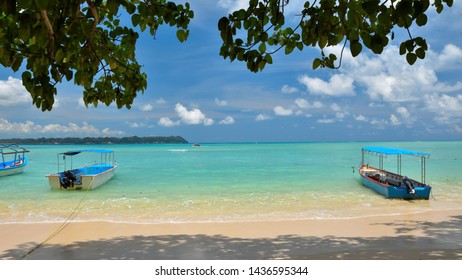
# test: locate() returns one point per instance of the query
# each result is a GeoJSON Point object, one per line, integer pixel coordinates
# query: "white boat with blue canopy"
{"type": "Point", "coordinates": [87, 177]}
{"type": "Point", "coordinates": [14, 159]}
{"type": "Point", "coordinates": [394, 185]}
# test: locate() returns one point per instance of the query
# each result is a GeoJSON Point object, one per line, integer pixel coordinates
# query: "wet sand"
{"type": "Point", "coordinates": [430, 235]}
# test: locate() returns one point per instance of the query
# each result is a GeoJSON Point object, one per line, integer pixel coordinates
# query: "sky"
{"type": "Point", "coordinates": [194, 93]}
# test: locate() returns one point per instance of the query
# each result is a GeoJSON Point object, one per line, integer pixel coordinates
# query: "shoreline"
{"type": "Point", "coordinates": [433, 234]}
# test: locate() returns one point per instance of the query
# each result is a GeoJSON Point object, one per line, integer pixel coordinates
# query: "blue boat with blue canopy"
{"type": "Point", "coordinates": [390, 184]}
{"type": "Point", "coordinates": [13, 159]}
{"type": "Point", "coordinates": [86, 177]}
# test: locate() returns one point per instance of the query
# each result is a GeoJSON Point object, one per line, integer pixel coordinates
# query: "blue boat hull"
{"type": "Point", "coordinates": [390, 191]}
{"type": "Point", "coordinates": [13, 167]}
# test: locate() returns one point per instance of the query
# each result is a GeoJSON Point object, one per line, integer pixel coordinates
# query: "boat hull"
{"type": "Point", "coordinates": [10, 168]}
{"type": "Point", "coordinates": [388, 190]}
{"type": "Point", "coordinates": [89, 177]}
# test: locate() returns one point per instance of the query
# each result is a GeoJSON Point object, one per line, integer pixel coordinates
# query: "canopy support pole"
{"type": "Point", "coordinates": [423, 168]}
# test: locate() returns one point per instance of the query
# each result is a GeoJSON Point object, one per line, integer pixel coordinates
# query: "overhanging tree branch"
{"type": "Point", "coordinates": [51, 34]}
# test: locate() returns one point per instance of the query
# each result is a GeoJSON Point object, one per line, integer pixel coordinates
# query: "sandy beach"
{"type": "Point", "coordinates": [429, 235]}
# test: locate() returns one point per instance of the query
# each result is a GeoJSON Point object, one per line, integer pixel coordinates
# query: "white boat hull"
{"type": "Point", "coordinates": [87, 181]}
{"type": "Point", "coordinates": [11, 171]}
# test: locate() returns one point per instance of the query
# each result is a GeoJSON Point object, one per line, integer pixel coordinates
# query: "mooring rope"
{"type": "Point", "coordinates": [62, 226]}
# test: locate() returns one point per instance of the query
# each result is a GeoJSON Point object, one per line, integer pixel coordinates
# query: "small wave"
{"type": "Point", "coordinates": [177, 150]}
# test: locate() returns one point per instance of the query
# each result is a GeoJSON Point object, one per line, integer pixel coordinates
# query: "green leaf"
{"type": "Point", "coordinates": [262, 48]}
{"type": "Point", "coordinates": [181, 35]}
{"type": "Point", "coordinates": [223, 23]}
{"type": "Point", "coordinates": [289, 49]}
{"type": "Point", "coordinates": [261, 64]}
{"type": "Point", "coordinates": [420, 53]}
{"type": "Point", "coordinates": [404, 8]}
{"type": "Point", "coordinates": [411, 58]}
{"type": "Point", "coordinates": [113, 6]}
{"type": "Point", "coordinates": [355, 48]}
{"type": "Point", "coordinates": [410, 45]}
{"type": "Point", "coordinates": [421, 20]}
{"type": "Point", "coordinates": [26, 76]}
{"type": "Point", "coordinates": [316, 63]}
{"type": "Point", "coordinates": [16, 64]}
{"type": "Point", "coordinates": [136, 18]}
{"type": "Point", "coordinates": [322, 41]}
{"type": "Point", "coordinates": [402, 48]}
{"type": "Point", "coordinates": [268, 59]}
{"type": "Point", "coordinates": [370, 6]}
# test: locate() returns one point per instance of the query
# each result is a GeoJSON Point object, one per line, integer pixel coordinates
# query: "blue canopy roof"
{"type": "Point", "coordinates": [394, 151]}
{"type": "Point", "coordinates": [73, 153]}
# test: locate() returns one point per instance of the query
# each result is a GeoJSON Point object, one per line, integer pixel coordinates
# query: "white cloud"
{"type": "Point", "coordinates": [281, 111]}
{"type": "Point", "coordinates": [325, 121]}
{"type": "Point", "coordinates": [394, 120]}
{"type": "Point", "coordinates": [400, 84]}
{"type": "Point", "coordinates": [294, 7]}
{"type": "Point", "coordinates": [445, 107]}
{"type": "Point", "coordinates": [262, 117]}
{"type": "Point", "coordinates": [360, 118]}
{"type": "Point", "coordinates": [220, 102]}
{"type": "Point", "coordinates": [81, 102]}
{"type": "Point", "coordinates": [338, 85]}
{"type": "Point", "coordinates": [137, 125]}
{"type": "Point", "coordinates": [208, 121]}
{"type": "Point", "coordinates": [335, 107]}
{"type": "Point", "coordinates": [193, 116]}
{"type": "Point", "coordinates": [302, 103]}
{"type": "Point", "coordinates": [406, 116]}
{"type": "Point", "coordinates": [233, 5]}
{"type": "Point", "coordinates": [13, 93]}
{"type": "Point", "coordinates": [317, 105]}
{"type": "Point", "coordinates": [450, 58]}
{"type": "Point", "coordinates": [457, 128]}
{"type": "Point", "coordinates": [227, 120]}
{"type": "Point", "coordinates": [167, 122]}
{"type": "Point", "coordinates": [379, 124]}
{"type": "Point", "coordinates": [146, 107]}
{"type": "Point", "coordinates": [305, 104]}
{"type": "Point", "coordinates": [387, 77]}
{"type": "Point", "coordinates": [161, 101]}
{"type": "Point", "coordinates": [289, 90]}
{"type": "Point", "coordinates": [341, 115]}
{"type": "Point", "coordinates": [29, 127]}
{"type": "Point", "coordinates": [108, 132]}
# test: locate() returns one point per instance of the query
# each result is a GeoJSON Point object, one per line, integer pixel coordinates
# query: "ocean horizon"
{"type": "Point", "coordinates": [225, 182]}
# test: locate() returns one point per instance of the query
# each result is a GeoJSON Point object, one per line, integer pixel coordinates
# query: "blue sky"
{"type": "Point", "coordinates": [195, 93]}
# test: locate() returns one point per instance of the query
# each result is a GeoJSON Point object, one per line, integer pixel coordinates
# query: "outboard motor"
{"type": "Point", "coordinates": [408, 184]}
{"type": "Point", "coordinates": [68, 179]}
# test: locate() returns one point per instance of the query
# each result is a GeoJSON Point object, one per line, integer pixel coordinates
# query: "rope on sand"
{"type": "Point", "coordinates": [62, 226]}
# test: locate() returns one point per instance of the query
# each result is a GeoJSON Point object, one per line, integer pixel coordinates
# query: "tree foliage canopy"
{"type": "Point", "coordinates": [323, 23]}
{"type": "Point", "coordinates": [85, 40]}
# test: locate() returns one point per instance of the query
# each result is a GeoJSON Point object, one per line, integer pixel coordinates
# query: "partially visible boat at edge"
{"type": "Point", "coordinates": [394, 185]}
{"type": "Point", "coordinates": [87, 177]}
{"type": "Point", "coordinates": [14, 159]}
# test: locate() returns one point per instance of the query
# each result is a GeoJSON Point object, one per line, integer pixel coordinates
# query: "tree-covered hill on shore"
{"type": "Point", "coordinates": [99, 140]}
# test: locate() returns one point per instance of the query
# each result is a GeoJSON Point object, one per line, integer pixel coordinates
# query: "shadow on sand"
{"type": "Point", "coordinates": [440, 240]}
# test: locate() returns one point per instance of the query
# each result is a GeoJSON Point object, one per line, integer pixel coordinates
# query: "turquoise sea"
{"type": "Point", "coordinates": [229, 182]}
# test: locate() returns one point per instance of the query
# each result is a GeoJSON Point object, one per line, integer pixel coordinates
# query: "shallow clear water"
{"type": "Point", "coordinates": [229, 182]}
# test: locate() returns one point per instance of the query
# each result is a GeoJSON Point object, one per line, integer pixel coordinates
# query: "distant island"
{"type": "Point", "coordinates": [98, 140]}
